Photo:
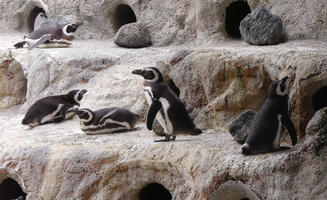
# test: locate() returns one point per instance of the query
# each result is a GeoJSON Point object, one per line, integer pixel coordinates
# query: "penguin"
{"type": "Point", "coordinates": [165, 106]}
{"type": "Point", "coordinates": [42, 21]}
{"type": "Point", "coordinates": [266, 129]}
{"type": "Point", "coordinates": [106, 120]}
{"type": "Point", "coordinates": [60, 35]}
{"type": "Point", "coordinates": [53, 109]}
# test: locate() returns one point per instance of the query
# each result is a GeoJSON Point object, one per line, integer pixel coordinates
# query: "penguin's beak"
{"type": "Point", "coordinates": [138, 72]}
{"type": "Point", "coordinates": [285, 80]}
{"type": "Point", "coordinates": [77, 24]}
{"type": "Point", "coordinates": [77, 111]}
{"type": "Point", "coordinates": [83, 92]}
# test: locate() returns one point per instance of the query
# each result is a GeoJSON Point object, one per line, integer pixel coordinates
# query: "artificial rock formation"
{"type": "Point", "coordinates": [12, 82]}
{"type": "Point", "coordinates": [215, 81]}
{"type": "Point", "coordinates": [169, 22]}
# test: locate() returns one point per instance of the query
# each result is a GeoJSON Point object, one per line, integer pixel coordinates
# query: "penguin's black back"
{"type": "Point", "coordinates": [54, 32]}
{"type": "Point", "coordinates": [265, 124]}
{"type": "Point", "coordinates": [121, 115]}
{"type": "Point", "coordinates": [177, 113]}
{"type": "Point", "coordinates": [45, 106]}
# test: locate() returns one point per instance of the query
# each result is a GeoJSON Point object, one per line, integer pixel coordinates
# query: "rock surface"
{"type": "Point", "coordinates": [12, 82]}
{"type": "Point", "coordinates": [169, 22]}
{"type": "Point", "coordinates": [260, 27]}
{"type": "Point", "coordinates": [48, 159]}
{"type": "Point", "coordinates": [232, 190]}
{"type": "Point", "coordinates": [317, 127]}
{"type": "Point", "coordinates": [240, 127]}
{"type": "Point", "coordinates": [132, 35]}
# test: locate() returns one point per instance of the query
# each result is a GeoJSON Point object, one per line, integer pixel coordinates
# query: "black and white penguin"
{"type": "Point", "coordinates": [60, 35]}
{"type": "Point", "coordinates": [266, 128]}
{"type": "Point", "coordinates": [106, 120]}
{"type": "Point", "coordinates": [53, 109]}
{"type": "Point", "coordinates": [165, 106]}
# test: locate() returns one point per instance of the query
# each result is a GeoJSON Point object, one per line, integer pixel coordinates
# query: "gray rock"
{"type": "Point", "coordinates": [133, 35]}
{"type": "Point", "coordinates": [240, 127]}
{"type": "Point", "coordinates": [317, 126]}
{"type": "Point", "coordinates": [260, 27]}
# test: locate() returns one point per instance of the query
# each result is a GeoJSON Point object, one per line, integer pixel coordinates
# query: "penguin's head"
{"type": "Point", "coordinates": [279, 87]}
{"type": "Point", "coordinates": [150, 74]}
{"type": "Point", "coordinates": [84, 114]}
{"type": "Point", "coordinates": [77, 95]}
{"type": "Point", "coordinates": [70, 29]}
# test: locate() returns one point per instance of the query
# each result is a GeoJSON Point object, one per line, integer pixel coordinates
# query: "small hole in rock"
{"type": "Point", "coordinates": [10, 189]}
{"type": "Point", "coordinates": [32, 16]}
{"type": "Point", "coordinates": [123, 15]}
{"type": "Point", "coordinates": [319, 99]}
{"type": "Point", "coordinates": [235, 13]}
{"type": "Point", "coordinates": [154, 191]}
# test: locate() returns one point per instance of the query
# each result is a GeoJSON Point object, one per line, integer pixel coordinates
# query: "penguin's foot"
{"type": "Point", "coordinates": [167, 138]}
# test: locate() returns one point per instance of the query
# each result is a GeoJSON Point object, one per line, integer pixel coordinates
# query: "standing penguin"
{"type": "Point", "coordinates": [106, 120]}
{"type": "Point", "coordinates": [267, 127]}
{"type": "Point", "coordinates": [165, 106]}
{"type": "Point", "coordinates": [53, 108]}
{"type": "Point", "coordinates": [60, 35]}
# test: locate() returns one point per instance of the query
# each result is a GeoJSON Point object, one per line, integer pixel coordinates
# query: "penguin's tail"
{"type": "Point", "coordinates": [196, 131]}
{"type": "Point", "coordinates": [246, 149]}
{"type": "Point", "coordinates": [20, 44]}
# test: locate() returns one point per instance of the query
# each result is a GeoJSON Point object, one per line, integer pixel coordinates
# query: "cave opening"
{"type": "Point", "coordinates": [10, 189]}
{"type": "Point", "coordinates": [319, 98]}
{"type": "Point", "coordinates": [123, 15]}
{"type": "Point", "coordinates": [154, 191]}
{"type": "Point", "coordinates": [235, 13]}
{"type": "Point", "coordinates": [32, 16]}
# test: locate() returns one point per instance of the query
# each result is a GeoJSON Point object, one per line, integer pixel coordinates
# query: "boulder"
{"type": "Point", "coordinates": [240, 127]}
{"type": "Point", "coordinates": [260, 27]}
{"type": "Point", "coordinates": [133, 35]}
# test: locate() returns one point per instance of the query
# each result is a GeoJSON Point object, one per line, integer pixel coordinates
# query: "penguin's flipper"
{"type": "Point", "coordinates": [152, 113]}
{"type": "Point", "coordinates": [61, 114]}
{"type": "Point", "coordinates": [287, 122]}
{"type": "Point", "coordinates": [42, 40]}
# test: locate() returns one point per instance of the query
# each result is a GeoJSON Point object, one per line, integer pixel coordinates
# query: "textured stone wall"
{"type": "Point", "coordinates": [216, 83]}
{"type": "Point", "coordinates": [168, 21]}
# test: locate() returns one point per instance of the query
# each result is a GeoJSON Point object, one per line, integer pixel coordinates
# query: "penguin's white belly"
{"type": "Point", "coordinates": [166, 120]}
{"type": "Point", "coordinates": [276, 142]}
{"type": "Point", "coordinates": [105, 127]}
{"type": "Point", "coordinates": [165, 124]}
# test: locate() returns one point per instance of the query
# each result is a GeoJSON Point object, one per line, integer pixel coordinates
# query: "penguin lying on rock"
{"type": "Point", "coordinates": [266, 128]}
{"type": "Point", "coordinates": [106, 120]}
{"type": "Point", "coordinates": [60, 35]}
{"type": "Point", "coordinates": [165, 106]}
{"type": "Point", "coordinates": [53, 109]}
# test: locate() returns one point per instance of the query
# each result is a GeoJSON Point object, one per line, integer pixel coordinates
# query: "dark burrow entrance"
{"type": "Point", "coordinates": [123, 15]}
{"type": "Point", "coordinates": [10, 189]}
{"type": "Point", "coordinates": [32, 16]}
{"type": "Point", "coordinates": [319, 99]}
{"type": "Point", "coordinates": [235, 13]}
{"type": "Point", "coordinates": [154, 191]}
